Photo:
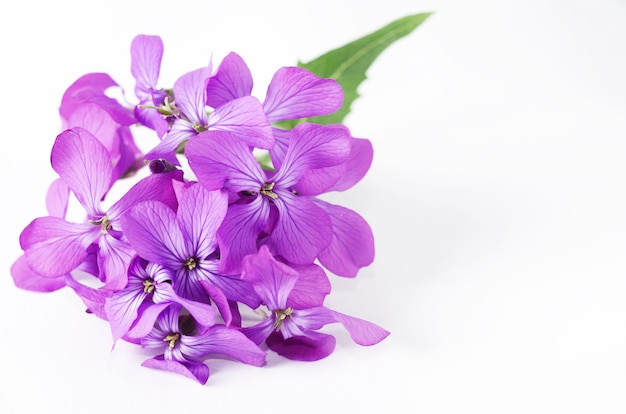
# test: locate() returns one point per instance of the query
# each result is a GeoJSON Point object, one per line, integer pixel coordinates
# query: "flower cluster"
{"type": "Point", "coordinates": [225, 217]}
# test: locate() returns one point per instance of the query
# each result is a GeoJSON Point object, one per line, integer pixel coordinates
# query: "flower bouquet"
{"type": "Point", "coordinates": [222, 244]}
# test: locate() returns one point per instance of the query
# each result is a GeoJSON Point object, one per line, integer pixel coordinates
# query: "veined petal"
{"type": "Point", "coordinates": [200, 214]}
{"type": "Point", "coordinates": [54, 247]}
{"type": "Point", "coordinates": [311, 288]}
{"type": "Point", "coordinates": [221, 160]}
{"type": "Point", "coordinates": [57, 198]}
{"type": "Point", "coordinates": [146, 53]}
{"type": "Point", "coordinates": [233, 287]}
{"type": "Point", "coordinates": [146, 320]}
{"type": "Point", "coordinates": [122, 309]}
{"type": "Point", "coordinates": [271, 279]}
{"type": "Point", "coordinates": [94, 299]}
{"type": "Point", "coordinates": [303, 228]}
{"type": "Point", "coordinates": [97, 121]}
{"type": "Point", "coordinates": [357, 165]}
{"type": "Point", "coordinates": [152, 230]}
{"type": "Point", "coordinates": [192, 370]}
{"type": "Point", "coordinates": [238, 234]}
{"type": "Point", "coordinates": [219, 339]}
{"type": "Point", "coordinates": [151, 118]}
{"type": "Point", "coordinates": [352, 245]}
{"type": "Point", "coordinates": [259, 332]}
{"type": "Point", "coordinates": [114, 256]}
{"type": "Point", "coordinates": [362, 332]}
{"type": "Point", "coordinates": [313, 347]}
{"type": "Point", "coordinates": [296, 93]}
{"type": "Point", "coordinates": [245, 118]}
{"type": "Point", "coordinates": [232, 80]}
{"type": "Point", "coordinates": [85, 165]}
{"type": "Point", "coordinates": [181, 131]}
{"type": "Point", "coordinates": [155, 187]}
{"type": "Point", "coordinates": [220, 300]}
{"type": "Point", "coordinates": [190, 93]}
{"type": "Point", "coordinates": [321, 180]}
{"type": "Point", "coordinates": [25, 278]}
{"type": "Point", "coordinates": [281, 145]}
{"type": "Point", "coordinates": [313, 146]}
{"type": "Point", "coordinates": [203, 313]}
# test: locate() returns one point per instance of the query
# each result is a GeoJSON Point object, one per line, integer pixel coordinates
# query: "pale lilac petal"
{"type": "Point", "coordinates": [239, 232]}
{"type": "Point", "coordinates": [321, 180]}
{"type": "Point", "coordinates": [122, 309]}
{"type": "Point", "coordinates": [191, 370]}
{"type": "Point", "coordinates": [155, 187]}
{"type": "Point", "coordinates": [232, 80]}
{"type": "Point", "coordinates": [97, 121]}
{"type": "Point", "coordinates": [129, 158]}
{"type": "Point", "coordinates": [357, 165]}
{"type": "Point", "coordinates": [303, 228]}
{"type": "Point", "coordinates": [181, 131]}
{"type": "Point", "coordinates": [310, 289]}
{"type": "Point", "coordinates": [151, 118]}
{"type": "Point", "coordinates": [313, 146]}
{"type": "Point", "coordinates": [25, 278]}
{"type": "Point", "coordinates": [57, 198]}
{"type": "Point", "coordinates": [245, 118]}
{"type": "Point", "coordinates": [313, 347]}
{"type": "Point", "coordinates": [296, 93]}
{"type": "Point", "coordinates": [114, 257]}
{"type": "Point", "coordinates": [200, 214]}
{"type": "Point", "coordinates": [146, 53]}
{"type": "Point", "coordinates": [312, 319]}
{"type": "Point", "coordinates": [54, 247]}
{"type": "Point", "coordinates": [271, 279]}
{"type": "Point", "coordinates": [94, 299]}
{"type": "Point", "coordinates": [85, 165]}
{"type": "Point", "coordinates": [219, 339]}
{"type": "Point", "coordinates": [362, 332]}
{"type": "Point", "coordinates": [152, 230]}
{"type": "Point", "coordinates": [352, 245]}
{"type": "Point", "coordinates": [220, 160]}
{"type": "Point", "coordinates": [146, 320]}
{"type": "Point", "coordinates": [189, 92]}
{"type": "Point", "coordinates": [259, 332]}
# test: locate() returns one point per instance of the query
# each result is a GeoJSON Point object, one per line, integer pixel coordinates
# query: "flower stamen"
{"type": "Point", "coordinates": [191, 263]}
{"type": "Point", "coordinates": [104, 223]}
{"type": "Point", "coordinates": [148, 286]}
{"type": "Point", "coordinates": [266, 190]}
{"type": "Point", "coordinates": [281, 315]}
{"type": "Point", "coordinates": [172, 339]}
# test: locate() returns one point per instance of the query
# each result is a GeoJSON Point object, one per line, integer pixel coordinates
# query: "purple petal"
{"type": "Point", "coordinates": [220, 160]}
{"type": "Point", "coordinates": [25, 278]}
{"type": "Point", "coordinates": [151, 118]}
{"type": "Point", "coordinates": [203, 313]}
{"type": "Point", "coordinates": [296, 93]}
{"type": "Point", "coordinates": [146, 320]}
{"type": "Point", "coordinates": [114, 257]}
{"type": "Point", "coordinates": [234, 288]}
{"type": "Point", "coordinates": [357, 165]}
{"type": "Point", "coordinates": [313, 347]}
{"type": "Point", "coordinates": [200, 214]}
{"type": "Point", "coordinates": [85, 165]}
{"type": "Point", "coordinates": [190, 92]}
{"type": "Point", "coordinates": [362, 332]}
{"type": "Point", "coordinates": [181, 131]}
{"type": "Point", "coordinates": [310, 289]}
{"type": "Point", "coordinates": [321, 180]}
{"type": "Point", "coordinates": [232, 80]}
{"type": "Point", "coordinates": [122, 309]}
{"type": "Point", "coordinates": [192, 370]}
{"type": "Point", "coordinates": [97, 121]}
{"type": "Point", "coordinates": [57, 198]}
{"type": "Point", "coordinates": [245, 118]}
{"type": "Point", "coordinates": [54, 247]}
{"type": "Point", "coordinates": [219, 339]}
{"type": "Point", "coordinates": [303, 228]}
{"type": "Point", "coordinates": [155, 187]}
{"type": "Point", "coordinates": [94, 299]}
{"type": "Point", "coordinates": [281, 145]}
{"type": "Point", "coordinates": [239, 232]}
{"type": "Point", "coordinates": [259, 332]}
{"type": "Point", "coordinates": [271, 279]}
{"type": "Point", "coordinates": [313, 146]}
{"type": "Point", "coordinates": [352, 245]}
{"type": "Point", "coordinates": [152, 229]}
{"type": "Point", "coordinates": [146, 53]}
{"type": "Point", "coordinates": [220, 300]}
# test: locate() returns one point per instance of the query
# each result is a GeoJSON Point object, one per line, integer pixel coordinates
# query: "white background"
{"type": "Point", "coordinates": [496, 196]}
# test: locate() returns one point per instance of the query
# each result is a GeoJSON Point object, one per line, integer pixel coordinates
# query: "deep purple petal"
{"type": "Point", "coordinates": [219, 339]}
{"type": "Point", "coordinates": [189, 91]}
{"type": "Point", "coordinates": [296, 93]}
{"type": "Point", "coordinates": [220, 160]}
{"type": "Point", "coordinates": [357, 165]}
{"type": "Point", "coordinates": [312, 347]}
{"type": "Point", "coordinates": [271, 279]}
{"type": "Point", "coordinates": [259, 332]}
{"type": "Point", "coordinates": [85, 165]}
{"type": "Point", "coordinates": [232, 80]}
{"type": "Point", "coordinates": [362, 332]}
{"type": "Point", "coordinates": [153, 231]}
{"type": "Point", "coordinates": [239, 232]}
{"type": "Point", "coordinates": [352, 245]}
{"type": "Point", "coordinates": [54, 247]}
{"type": "Point", "coordinates": [303, 229]}
{"type": "Point", "coordinates": [192, 370]}
{"type": "Point", "coordinates": [200, 214]}
{"type": "Point", "coordinates": [25, 278]}
{"type": "Point", "coordinates": [245, 118]}
{"type": "Point", "coordinates": [313, 146]}
{"type": "Point", "coordinates": [310, 289]}
{"type": "Point", "coordinates": [57, 198]}
{"type": "Point", "coordinates": [146, 53]}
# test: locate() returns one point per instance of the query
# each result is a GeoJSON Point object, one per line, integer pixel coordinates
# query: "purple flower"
{"type": "Point", "coordinates": [183, 348]}
{"type": "Point", "coordinates": [185, 242]}
{"type": "Point", "coordinates": [269, 204]}
{"type": "Point", "coordinates": [243, 117]}
{"type": "Point", "coordinates": [54, 247]}
{"type": "Point", "coordinates": [291, 328]}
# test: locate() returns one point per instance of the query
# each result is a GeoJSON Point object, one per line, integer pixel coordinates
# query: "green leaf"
{"type": "Point", "coordinates": [348, 64]}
